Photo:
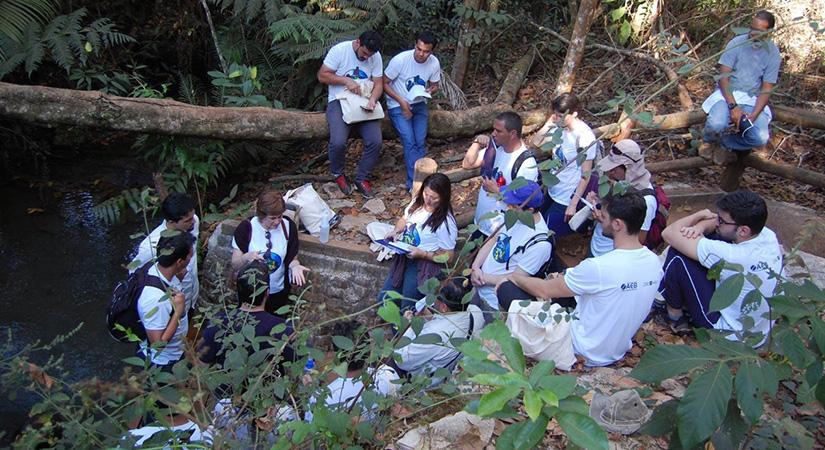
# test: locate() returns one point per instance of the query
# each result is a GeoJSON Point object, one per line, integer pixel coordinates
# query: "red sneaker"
{"type": "Point", "coordinates": [365, 189]}
{"type": "Point", "coordinates": [343, 184]}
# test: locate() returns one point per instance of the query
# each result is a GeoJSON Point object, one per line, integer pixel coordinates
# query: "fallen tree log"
{"type": "Point", "coordinates": [515, 78]}
{"type": "Point", "coordinates": [785, 171]}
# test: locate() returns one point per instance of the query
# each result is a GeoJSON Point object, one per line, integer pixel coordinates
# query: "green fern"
{"type": "Point", "coordinates": [17, 15]}
{"type": "Point", "coordinates": [64, 39]}
{"type": "Point", "coordinates": [111, 210]}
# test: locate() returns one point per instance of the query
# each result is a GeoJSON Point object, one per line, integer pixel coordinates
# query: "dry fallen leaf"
{"type": "Point", "coordinates": [37, 374]}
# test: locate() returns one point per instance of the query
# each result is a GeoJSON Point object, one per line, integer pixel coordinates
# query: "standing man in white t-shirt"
{"type": "Point", "coordinates": [345, 64]}
{"type": "Point", "coordinates": [178, 215]}
{"type": "Point", "coordinates": [739, 237]}
{"type": "Point", "coordinates": [497, 160]}
{"type": "Point", "coordinates": [406, 103]}
{"type": "Point", "coordinates": [519, 250]}
{"type": "Point", "coordinates": [614, 290]}
{"type": "Point", "coordinates": [163, 313]}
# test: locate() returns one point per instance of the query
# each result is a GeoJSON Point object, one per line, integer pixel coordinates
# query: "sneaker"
{"type": "Point", "coordinates": [343, 184]}
{"type": "Point", "coordinates": [364, 188]}
{"type": "Point", "coordinates": [681, 327]}
{"type": "Point", "coordinates": [656, 313]}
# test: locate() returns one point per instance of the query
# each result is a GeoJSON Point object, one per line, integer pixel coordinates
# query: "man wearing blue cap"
{"type": "Point", "coordinates": [519, 250]}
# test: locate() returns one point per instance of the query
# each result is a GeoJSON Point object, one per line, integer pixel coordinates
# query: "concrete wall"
{"type": "Point", "coordinates": [345, 277]}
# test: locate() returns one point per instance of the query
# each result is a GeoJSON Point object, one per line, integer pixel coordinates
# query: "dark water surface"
{"type": "Point", "coordinates": [57, 269]}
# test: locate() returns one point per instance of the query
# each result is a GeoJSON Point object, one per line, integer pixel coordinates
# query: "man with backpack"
{"type": "Point", "coordinates": [625, 162]}
{"type": "Point", "coordinates": [163, 312]}
{"type": "Point", "coordinates": [178, 215]}
{"type": "Point", "coordinates": [520, 249]}
{"type": "Point", "coordinates": [502, 157]}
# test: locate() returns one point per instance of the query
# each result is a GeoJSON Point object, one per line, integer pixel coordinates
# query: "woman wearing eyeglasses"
{"type": "Point", "coordinates": [272, 238]}
{"type": "Point", "coordinates": [625, 162]}
{"type": "Point", "coordinates": [560, 203]}
{"type": "Point", "coordinates": [429, 227]}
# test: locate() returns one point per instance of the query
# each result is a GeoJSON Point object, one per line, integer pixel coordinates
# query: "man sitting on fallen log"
{"type": "Point", "coordinates": [614, 292]}
{"type": "Point", "coordinates": [502, 157]}
{"type": "Point", "coordinates": [749, 69]}
{"type": "Point", "coordinates": [736, 234]}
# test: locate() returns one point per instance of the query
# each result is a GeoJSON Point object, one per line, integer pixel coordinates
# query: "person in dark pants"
{"type": "Point", "coordinates": [346, 65]}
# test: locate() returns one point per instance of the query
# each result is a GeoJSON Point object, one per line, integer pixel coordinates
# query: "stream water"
{"type": "Point", "coordinates": [57, 269]}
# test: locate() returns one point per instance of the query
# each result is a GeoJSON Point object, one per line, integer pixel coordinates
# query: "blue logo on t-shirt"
{"type": "Point", "coordinates": [501, 252]}
{"type": "Point", "coordinates": [356, 74]}
{"type": "Point", "coordinates": [411, 235]}
{"type": "Point", "coordinates": [274, 261]}
{"type": "Point", "coordinates": [560, 155]}
{"type": "Point", "coordinates": [413, 81]}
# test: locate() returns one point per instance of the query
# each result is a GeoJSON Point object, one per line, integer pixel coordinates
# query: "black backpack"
{"type": "Point", "coordinates": [122, 309]}
{"type": "Point", "coordinates": [523, 156]}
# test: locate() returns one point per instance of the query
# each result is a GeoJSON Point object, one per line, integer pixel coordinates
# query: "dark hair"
{"type": "Point", "coordinates": [512, 121]}
{"type": "Point", "coordinates": [767, 17]}
{"type": "Point", "coordinates": [745, 208]}
{"type": "Point", "coordinates": [352, 357]}
{"type": "Point", "coordinates": [174, 247]}
{"type": "Point", "coordinates": [251, 279]}
{"type": "Point", "coordinates": [428, 37]}
{"type": "Point", "coordinates": [270, 203]}
{"type": "Point", "coordinates": [440, 184]}
{"type": "Point", "coordinates": [453, 293]}
{"type": "Point", "coordinates": [370, 39]}
{"type": "Point", "coordinates": [176, 206]}
{"type": "Point", "coordinates": [629, 207]}
{"type": "Point", "coordinates": [567, 103]}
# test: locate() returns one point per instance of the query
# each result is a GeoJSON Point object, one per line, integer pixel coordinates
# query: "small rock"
{"type": "Point", "coordinates": [337, 204]}
{"type": "Point", "coordinates": [331, 190]}
{"type": "Point", "coordinates": [356, 223]}
{"type": "Point", "coordinates": [673, 388]}
{"type": "Point", "coordinates": [461, 430]}
{"type": "Point", "coordinates": [375, 206]}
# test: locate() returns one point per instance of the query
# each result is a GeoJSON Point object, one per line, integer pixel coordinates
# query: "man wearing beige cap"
{"type": "Point", "coordinates": [624, 162]}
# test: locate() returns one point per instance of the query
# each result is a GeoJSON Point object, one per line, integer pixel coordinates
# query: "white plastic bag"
{"type": "Point", "coordinates": [542, 340]}
{"type": "Point", "coordinates": [352, 105]}
{"type": "Point", "coordinates": [312, 208]}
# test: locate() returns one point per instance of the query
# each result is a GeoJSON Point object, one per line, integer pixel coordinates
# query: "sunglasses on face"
{"type": "Point", "coordinates": [615, 150]}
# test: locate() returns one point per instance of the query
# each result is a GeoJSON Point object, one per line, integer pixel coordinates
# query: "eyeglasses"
{"type": "Point", "coordinates": [268, 254]}
{"type": "Point", "coordinates": [615, 150]}
{"type": "Point", "coordinates": [722, 222]}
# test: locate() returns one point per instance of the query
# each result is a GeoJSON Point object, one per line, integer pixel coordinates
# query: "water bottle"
{"type": "Point", "coordinates": [309, 366]}
{"type": "Point", "coordinates": [324, 238]}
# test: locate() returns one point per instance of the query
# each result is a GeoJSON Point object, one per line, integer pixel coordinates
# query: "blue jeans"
{"type": "Point", "coordinates": [718, 120]}
{"type": "Point", "coordinates": [409, 288]}
{"type": "Point", "coordinates": [413, 133]}
{"type": "Point", "coordinates": [370, 131]}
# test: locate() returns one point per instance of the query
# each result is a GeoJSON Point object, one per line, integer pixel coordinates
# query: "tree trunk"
{"type": "Point", "coordinates": [157, 116]}
{"type": "Point", "coordinates": [515, 78]}
{"type": "Point", "coordinates": [462, 50]}
{"type": "Point", "coordinates": [575, 50]}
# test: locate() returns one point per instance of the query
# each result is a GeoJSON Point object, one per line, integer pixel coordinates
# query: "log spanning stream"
{"type": "Point", "coordinates": [57, 269]}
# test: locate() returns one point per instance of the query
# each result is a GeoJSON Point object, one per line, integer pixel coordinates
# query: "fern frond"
{"type": "Point", "coordinates": [111, 210]}
{"type": "Point", "coordinates": [191, 91]}
{"type": "Point", "coordinates": [16, 15]}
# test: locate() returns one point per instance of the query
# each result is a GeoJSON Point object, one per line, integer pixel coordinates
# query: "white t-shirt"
{"type": "Point", "coordinates": [201, 436]}
{"type": "Point", "coordinates": [426, 358]}
{"type": "Point", "coordinates": [342, 391]}
{"type": "Point", "coordinates": [507, 242]}
{"type": "Point", "coordinates": [503, 165]}
{"type": "Point", "coordinates": [155, 310]}
{"type": "Point", "coordinates": [614, 292]}
{"type": "Point", "coordinates": [569, 177]}
{"type": "Point", "coordinates": [600, 244]}
{"type": "Point", "coordinates": [258, 242]}
{"type": "Point", "coordinates": [423, 237]}
{"type": "Point", "coordinates": [759, 256]}
{"type": "Point", "coordinates": [147, 251]}
{"type": "Point", "coordinates": [405, 72]}
{"type": "Point", "coordinates": [342, 59]}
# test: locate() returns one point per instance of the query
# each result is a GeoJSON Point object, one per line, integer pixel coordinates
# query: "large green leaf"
{"type": "Point", "coordinates": [818, 330]}
{"type": "Point", "coordinates": [807, 290]}
{"type": "Point", "coordinates": [792, 347]}
{"type": "Point", "coordinates": [819, 392]}
{"type": "Point", "coordinates": [390, 313]}
{"type": "Point", "coordinates": [727, 292]}
{"type": "Point", "coordinates": [509, 379]}
{"type": "Point", "coordinates": [790, 307]}
{"type": "Point", "coordinates": [511, 348]}
{"type": "Point", "coordinates": [663, 420]}
{"type": "Point", "coordinates": [582, 430]}
{"type": "Point", "coordinates": [750, 383]}
{"type": "Point", "coordinates": [532, 404]}
{"type": "Point", "coordinates": [561, 385]}
{"type": "Point", "coordinates": [523, 435]}
{"type": "Point", "coordinates": [665, 361]}
{"type": "Point", "coordinates": [496, 399]}
{"type": "Point", "coordinates": [733, 430]}
{"type": "Point", "coordinates": [704, 405]}
{"type": "Point", "coordinates": [541, 369]}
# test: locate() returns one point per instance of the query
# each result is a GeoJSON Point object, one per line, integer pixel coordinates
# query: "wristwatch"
{"type": "Point", "coordinates": [732, 105]}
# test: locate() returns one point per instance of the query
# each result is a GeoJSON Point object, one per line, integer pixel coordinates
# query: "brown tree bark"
{"type": "Point", "coordinates": [575, 49]}
{"type": "Point", "coordinates": [515, 78]}
{"type": "Point", "coordinates": [462, 50]}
